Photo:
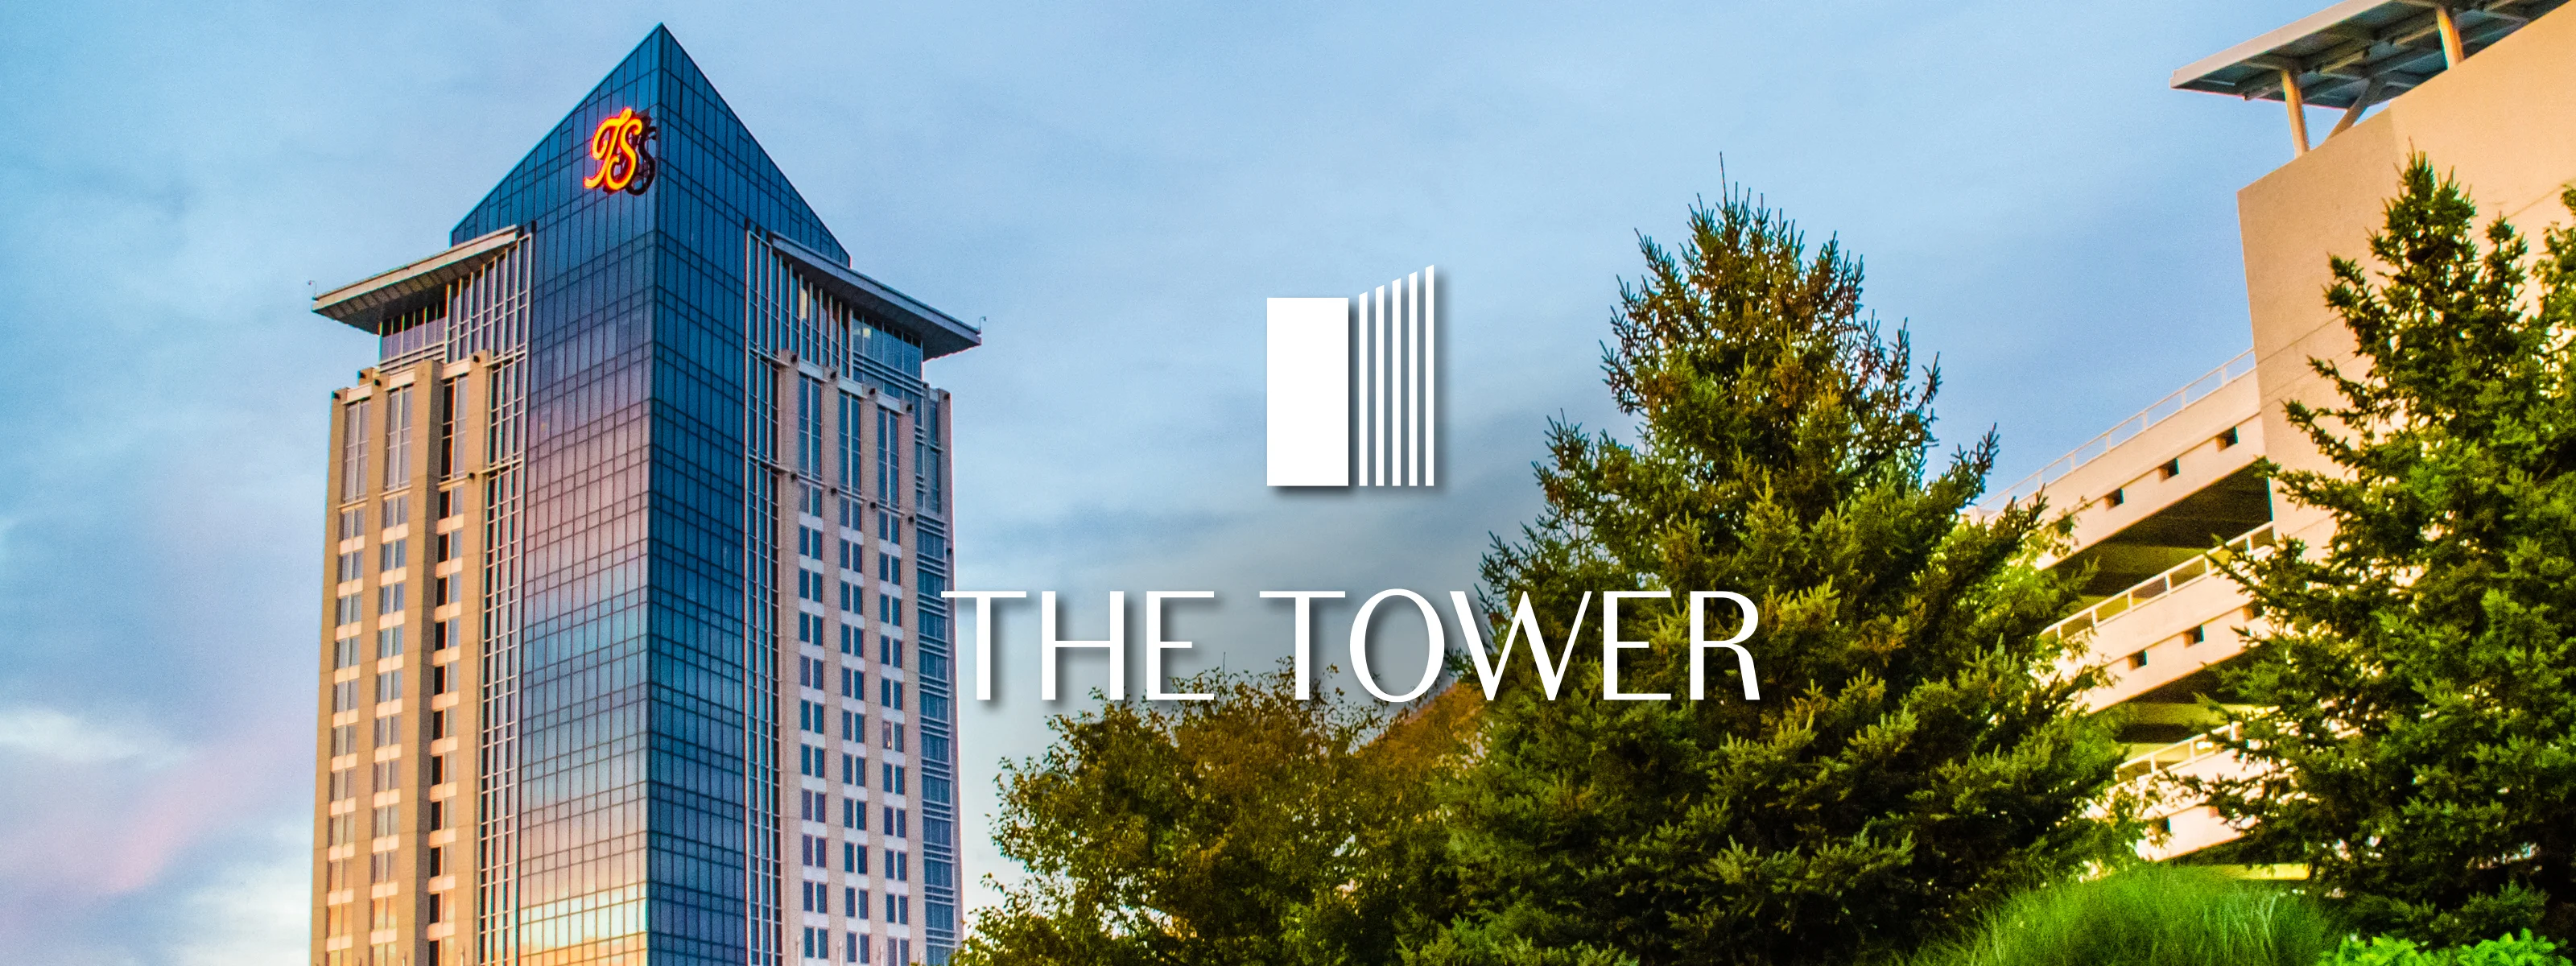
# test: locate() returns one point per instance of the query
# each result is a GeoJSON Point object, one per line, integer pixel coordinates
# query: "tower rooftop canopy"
{"type": "Point", "coordinates": [2357, 53]}
{"type": "Point", "coordinates": [2339, 51]}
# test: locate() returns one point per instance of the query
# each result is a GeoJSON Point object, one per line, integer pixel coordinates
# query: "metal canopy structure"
{"type": "Point", "coordinates": [938, 332]}
{"type": "Point", "coordinates": [2357, 53]}
{"type": "Point", "coordinates": [363, 304]}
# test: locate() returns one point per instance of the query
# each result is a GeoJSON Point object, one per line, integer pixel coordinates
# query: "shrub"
{"type": "Point", "coordinates": [2522, 950]}
{"type": "Point", "coordinates": [2150, 915]}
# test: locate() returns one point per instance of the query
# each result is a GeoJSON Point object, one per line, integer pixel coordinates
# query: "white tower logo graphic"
{"type": "Point", "coordinates": [1352, 386]}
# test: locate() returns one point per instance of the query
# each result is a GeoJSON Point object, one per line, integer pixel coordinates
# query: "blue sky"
{"type": "Point", "coordinates": [1114, 187]}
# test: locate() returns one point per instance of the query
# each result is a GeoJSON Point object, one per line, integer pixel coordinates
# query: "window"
{"type": "Point", "coordinates": [934, 788]}
{"type": "Point", "coordinates": [389, 686]}
{"type": "Point", "coordinates": [889, 569]}
{"type": "Point", "coordinates": [388, 730]}
{"type": "Point", "coordinates": [387, 775]}
{"type": "Point", "coordinates": [395, 512]}
{"type": "Point", "coordinates": [344, 783]}
{"type": "Point", "coordinates": [397, 438]}
{"type": "Point", "coordinates": [2228, 438]}
{"type": "Point", "coordinates": [862, 912]}
{"type": "Point", "coordinates": [934, 748]}
{"type": "Point", "coordinates": [442, 635]}
{"type": "Point", "coordinates": [893, 779]}
{"type": "Point", "coordinates": [889, 458]}
{"type": "Point", "coordinates": [854, 814]}
{"type": "Point", "coordinates": [809, 716]}
{"type": "Point", "coordinates": [809, 542]}
{"type": "Point", "coordinates": [2138, 660]}
{"type": "Point", "coordinates": [936, 873]}
{"type": "Point", "coordinates": [353, 450]}
{"type": "Point", "coordinates": [451, 500]}
{"type": "Point", "coordinates": [890, 610]}
{"type": "Point", "coordinates": [891, 734]}
{"type": "Point", "coordinates": [854, 641]}
{"type": "Point", "coordinates": [888, 528]}
{"type": "Point", "coordinates": [339, 830]}
{"type": "Point", "coordinates": [353, 524]}
{"type": "Point", "coordinates": [344, 652]}
{"type": "Point", "coordinates": [2195, 635]}
{"type": "Point", "coordinates": [2171, 468]}
{"type": "Point", "coordinates": [809, 761]}
{"type": "Point", "coordinates": [890, 694]}
{"type": "Point", "coordinates": [2116, 498]}
{"type": "Point", "coordinates": [438, 678]}
{"type": "Point", "coordinates": [437, 815]}
{"type": "Point", "coordinates": [352, 566]}
{"type": "Point", "coordinates": [854, 860]}
{"type": "Point", "coordinates": [898, 822]}
{"type": "Point", "coordinates": [850, 903]}
{"type": "Point", "coordinates": [811, 851]}
{"type": "Point", "coordinates": [437, 862]}
{"type": "Point", "coordinates": [854, 683]}
{"type": "Point", "coordinates": [852, 727]}
{"type": "Point", "coordinates": [854, 771]}
{"type": "Point", "coordinates": [344, 740]}
{"type": "Point", "coordinates": [389, 600]}
{"type": "Point", "coordinates": [389, 642]}
{"type": "Point", "coordinates": [387, 820]}
{"type": "Point", "coordinates": [848, 446]}
{"type": "Point", "coordinates": [809, 430]}
{"type": "Point", "coordinates": [441, 591]}
{"type": "Point", "coordinates": [393, 555]}
{"type": "Point", "coordinates": [347, 610]}
{"type": "Point", "coordinates": [438, 769]}
{"type": "Point", "coordinates": [852, 599]}
{"type": "Point", "coordinates": [344, 695]}
{"type": "Point", "coordinates": [935, 831]}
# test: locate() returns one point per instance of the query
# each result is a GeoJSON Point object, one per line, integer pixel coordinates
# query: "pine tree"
{"type": "Point", "coordinates": [1915, 752]}
{"type": "Point", "coordinates": [2418, 745]}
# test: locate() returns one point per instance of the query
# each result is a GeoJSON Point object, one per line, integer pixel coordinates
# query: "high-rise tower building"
{"type": "Point", "coordinates": [633, 647]}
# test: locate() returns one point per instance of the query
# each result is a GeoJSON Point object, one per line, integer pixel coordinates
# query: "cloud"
{"type": "Point", "coordinates": [48, 733]}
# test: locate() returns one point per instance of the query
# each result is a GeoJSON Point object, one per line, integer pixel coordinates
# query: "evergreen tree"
{"type": "Point", "coordinates": [2418, 748]}
{"type": "Point", "coordinates": [1916, 751]}
{"type": "Point", "coordinates": [1251, 829]}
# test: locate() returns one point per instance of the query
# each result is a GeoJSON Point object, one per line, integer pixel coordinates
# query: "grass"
{"type": "Point", "coordinates": [2149, 915]}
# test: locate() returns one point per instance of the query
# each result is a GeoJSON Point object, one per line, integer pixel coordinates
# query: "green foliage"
{"type": "Point", "coordinates": [2419, 748]}
{"type": "Point", "coordinates": [2522, 950]}
{"type": "Point", "coordinates": [2148, 915]}
{"type": "Point", "coordinates": [1251, 829]}
{"type": "Point", "coordinates": [1913, 756]}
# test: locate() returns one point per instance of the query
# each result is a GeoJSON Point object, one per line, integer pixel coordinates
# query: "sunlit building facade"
{"type": "Point", "coordinates": [2478, 88]}
{"type": "Point", "coordinates": [632, 646]}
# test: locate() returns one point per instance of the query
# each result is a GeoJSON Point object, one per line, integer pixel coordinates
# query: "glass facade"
{"type": "Point", "coordinates": [671, 426]}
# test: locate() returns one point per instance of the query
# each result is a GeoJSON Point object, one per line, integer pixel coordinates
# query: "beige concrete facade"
{"type": "Point", "coordinates": [2150, 505]}
{"type": "Point", "coordinates": [403, 575]}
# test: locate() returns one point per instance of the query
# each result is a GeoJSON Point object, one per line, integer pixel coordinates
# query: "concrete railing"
{"type": "Point", "coordinates": [2161, 584]}
{"type": "Point", "coordinates": [2162, 409]}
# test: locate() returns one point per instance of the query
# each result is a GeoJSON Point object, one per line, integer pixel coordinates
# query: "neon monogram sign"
{"type": "Point", "coordinates": [617, 146]}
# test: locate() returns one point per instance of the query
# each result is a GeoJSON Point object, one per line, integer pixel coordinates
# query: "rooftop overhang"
{"type": "Point", "coordinates": [365, 304]}
{"type": "Point", "coordinates": [939, 333]}
{"type": "Point", "coordinates": [2358, 53]}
